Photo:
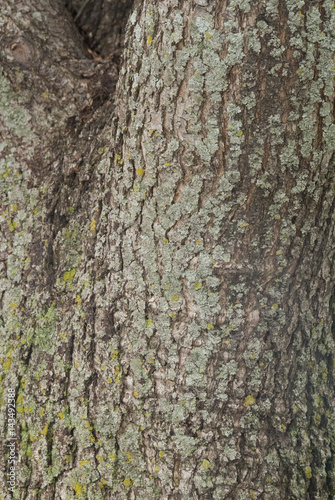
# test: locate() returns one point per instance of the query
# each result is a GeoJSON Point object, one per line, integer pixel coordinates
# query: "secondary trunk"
{"type": "Point", "coordinates": [167, 253]}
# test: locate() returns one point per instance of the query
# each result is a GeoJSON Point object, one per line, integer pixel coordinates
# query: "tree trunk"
{"type": "Point", "coordinates": [167, 252]}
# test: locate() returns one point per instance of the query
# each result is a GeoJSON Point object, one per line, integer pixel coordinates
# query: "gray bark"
{"type": "Point", "coordinates": [167, 252]}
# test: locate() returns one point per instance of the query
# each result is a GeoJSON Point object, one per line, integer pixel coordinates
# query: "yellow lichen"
{"type": "Point", "coordinates": [93, 224]}
{"type": "Point", "coordinates": [78, 488]}
{"type": "Point", "coordinates": [308, 472]}
{"type": "Point", "coordinates": [78, 300]}
{"type": "Point", "coordinates": [69, 275]}
{"type": "Point", "coordinates": [45, 430]}
{"type": "Point", "coordinates": [12, 225]}
{"type": "Point", "coordinates": [249, 400]}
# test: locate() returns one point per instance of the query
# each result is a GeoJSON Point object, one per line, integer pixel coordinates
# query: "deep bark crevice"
{"type": "Point", "coordinates": [102, 25]}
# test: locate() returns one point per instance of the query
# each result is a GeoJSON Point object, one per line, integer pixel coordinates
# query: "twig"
{"type": "Point", "coordinates": [80, 11]}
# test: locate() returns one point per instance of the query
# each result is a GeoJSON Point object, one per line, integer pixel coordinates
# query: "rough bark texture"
{"type": "Point", "coordinates": [168, 257]}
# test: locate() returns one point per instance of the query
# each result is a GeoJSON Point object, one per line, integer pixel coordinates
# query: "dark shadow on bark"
{"type": "Point", "coordinates": [102, 24]}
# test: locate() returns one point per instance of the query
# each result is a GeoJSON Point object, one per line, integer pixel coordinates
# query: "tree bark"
{"type": "Point", "coordinates": [102, 23]}
{"type": "Point", "coordinates": [167, 252]}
